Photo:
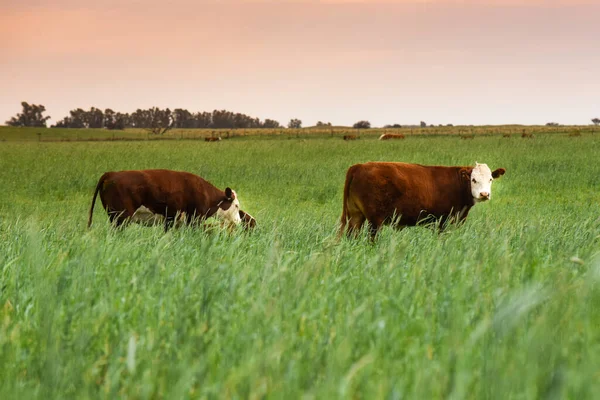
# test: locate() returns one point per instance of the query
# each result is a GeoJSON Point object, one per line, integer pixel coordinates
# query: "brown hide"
{"type": "Point", "coordinates": [388, 136]}
{"type": "Point", "coordinates": [247, 220]}
{"type": "Point", "coordinates": [377, 192]}
{"type": "Point", "coordinates": [350, 137]}
{"type": "Point", "coordinates": [163, 192]}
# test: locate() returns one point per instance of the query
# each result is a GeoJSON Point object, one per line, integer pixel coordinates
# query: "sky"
{"type": "Point", "coordinates": [338, 61]}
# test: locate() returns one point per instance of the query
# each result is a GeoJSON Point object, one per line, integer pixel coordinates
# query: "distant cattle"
{"type": "Point", "coordinates": [350, 137]}
{"type": "Point", "coordinates": [527, 135]}
{"type": "Point", "coordinates": [212, 139]}
{"type": "Point", "coordinates": [408, 194]}
{"type": "Point", "coordinates": [388, 136]}
{"type": "Point", "coordinates": [574, 134]}
{"type": "Point", "coordinates": [506, 135]}
{"type": "Point", "coordinates": [466, 137]}
{"type": "Point", "coordinates": [151, 196]}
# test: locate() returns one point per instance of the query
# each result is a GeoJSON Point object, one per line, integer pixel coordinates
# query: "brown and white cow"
{"type": "Point", "coordinates": [389, 136]}
{"type": "Point", "coordinates": [149, 196]}
{"type": "Point", "coordinates": [408, 194]}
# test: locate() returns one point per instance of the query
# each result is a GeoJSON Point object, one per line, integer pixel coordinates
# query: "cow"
{"type": "Point", "coordinates": [350, 137]}
{"type": "Point", "coordinates": [388, 136]}
{"type": "Point", "coordinates": [506, 135]}
{"type": "Point", "coordinates": [212, 139]}
{"type": "Point", "coordinates": [404, 194]}
{"type": "Point", "coordinates": [527, 135]}
{"type": "Point", "coordinates": [167, 194]}
{"type": "Point", "coordinates": [467, 137]}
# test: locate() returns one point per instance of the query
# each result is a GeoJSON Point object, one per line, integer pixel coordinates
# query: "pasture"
{"type": "Point", "coordinates": [505, 306]}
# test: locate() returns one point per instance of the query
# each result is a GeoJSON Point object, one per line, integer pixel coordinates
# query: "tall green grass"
{"type": "Point", "coordinates": [505, 306]}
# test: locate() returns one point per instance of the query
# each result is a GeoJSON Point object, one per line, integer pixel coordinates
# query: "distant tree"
{"type": "Point", "coordinates": [295, 123]}
{"type": "Point", "coordinates": [449, 125]}
{"type": "Point", "coordinates": [270, 124]}
{"type": "Point", "coordinates": [323, 124]}
{"type": "Point", "coordinates": [552, 124]}
{"type": "Point", "coordinates": [94, 118]}
{"type": "Point", "coordinates": [160, 121]}
{"type": "Point", "coordinates": [202, 120]}
{"type": "Point", "coordinates": [423, 124]}
{"type": "Point", "coordinates": [115, 121]}
{"type": "Point", "coordinates": [183, 119]}
{"type": "Point", "coordinates": [596, 121]}
{"type": "Point", "coordinates": [393, 126]}
{"type": "Point", "coordinates": [32, 115]}
{"type": "Point", "coordinates": [362, 125]}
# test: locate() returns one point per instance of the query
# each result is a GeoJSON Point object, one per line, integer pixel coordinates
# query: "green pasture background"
{"type": "Point", "coordinates": [505, 307]}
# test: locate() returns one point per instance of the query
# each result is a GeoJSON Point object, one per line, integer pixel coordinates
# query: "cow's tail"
{"type": "Point", "coordinates": [98, 187]}
{"type": "Point", "coordinates": [344, 219]}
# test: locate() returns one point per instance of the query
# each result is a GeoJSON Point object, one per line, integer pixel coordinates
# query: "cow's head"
{"type": "Point", "coordinates": [480, 179]}
{"type": "Point", "coordinates": [228, 209]}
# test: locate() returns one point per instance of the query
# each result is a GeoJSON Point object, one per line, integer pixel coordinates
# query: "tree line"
{"type": "Point", "coordinates": [154, 119]}
{"type": "Point", "coordinates": [159, 120]}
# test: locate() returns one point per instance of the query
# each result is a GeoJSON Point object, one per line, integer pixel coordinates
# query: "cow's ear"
{"type": "Point", "coordinates": [465, 173]}
{"type": "Point", "coordinates": [498, 173]}
{"type": "Point", "coordinates": [230, 194]}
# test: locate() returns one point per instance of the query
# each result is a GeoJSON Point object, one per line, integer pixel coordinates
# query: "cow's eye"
{"type": "Point", "coordinates": [491, 180]}
{"type": "Point", "coordinates": [474, 181]}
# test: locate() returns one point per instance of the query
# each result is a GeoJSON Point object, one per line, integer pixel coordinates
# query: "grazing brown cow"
{"type": "Point", "coordinates": [466, 137]}
{"type": "Point", "coordinates": [388, 136]}
{"type": "Point", "coordinates": [506, 135]}
{"type": "Point", "coordinates": [350, 137]}
{"type": "Point", "coordinates": [527, 135]}
{"type": "Point", "coordinates": [407, 194]}
{"type": "Point", "coordinates": [574, 134]}
{"type": "Point", "coordinates": [212, 139]}
{"type": "Point", "coordinates": [170, 194]}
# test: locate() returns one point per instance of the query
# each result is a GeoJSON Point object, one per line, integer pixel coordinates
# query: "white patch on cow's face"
{"type": "Point", "coordinates": [231, 216]}
{"type": "Point", "coordinates": [481, 182]}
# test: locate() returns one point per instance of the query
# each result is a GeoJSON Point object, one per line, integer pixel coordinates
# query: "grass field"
{"type": "Point", "coordinates": [505, 307]}
{"type": "Point", "coordinates": [80, 135]}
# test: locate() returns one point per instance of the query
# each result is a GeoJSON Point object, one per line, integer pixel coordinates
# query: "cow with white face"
{"type": "Point", "coordinates": [481, 181]}
{"type": "Point", "coordinates": [153, 196]}
{"type": "Point", "coordinates": [401, 194]}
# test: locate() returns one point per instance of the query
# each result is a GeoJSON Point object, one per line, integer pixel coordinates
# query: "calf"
{"type": "Point", "coordinates": [407, 194]}
{"type": "Point", "coordinates": [168, 194]}
{"type": "Point", "coordinates": [350, 137]}
{"type": "Point", "coordinates": [212, 139]}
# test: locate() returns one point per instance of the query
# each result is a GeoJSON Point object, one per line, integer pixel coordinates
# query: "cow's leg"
{"type": "Point", "coordinates": [117, 218]}
{"type": "Point", "coordinates": [374, 225]}
{"type": "Point", "coordinates": [355, 223]}
{"type": "Point", "coordinates": [169, 221]}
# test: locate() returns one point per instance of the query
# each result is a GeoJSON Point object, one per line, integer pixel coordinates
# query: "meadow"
{"type": "Point", "coordinates": [506, 306]}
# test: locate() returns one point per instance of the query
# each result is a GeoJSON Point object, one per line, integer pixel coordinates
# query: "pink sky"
{"type": "Point", "coordinates": [444, 61]}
